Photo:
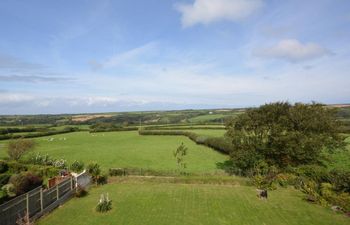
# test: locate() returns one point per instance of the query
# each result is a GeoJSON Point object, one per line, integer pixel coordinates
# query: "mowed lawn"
{"type": "Point", "coordinates": [192, 204]}
{"type": "Point", "coordinates": [128, 149]}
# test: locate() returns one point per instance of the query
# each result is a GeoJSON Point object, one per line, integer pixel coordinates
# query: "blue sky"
{"type": "Point", "coordinates": [101, 56]}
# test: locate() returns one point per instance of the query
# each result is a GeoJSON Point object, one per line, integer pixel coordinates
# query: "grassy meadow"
{"type": "Point", "coordinates": [176, 204]}
{"type": "Point", "coordinates": [127, 149]}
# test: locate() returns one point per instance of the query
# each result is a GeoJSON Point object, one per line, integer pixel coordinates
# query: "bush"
{"type": "Point", "coordinates": [117, 172]}
{"type": "Point", "coordinates": [4, 179]}
{"type": "Point", "coordinates": [104, 204]}
{"type": "Point", "coordinates": [314, 172]}
{"type": "Point", "coordinates": [24, 182]}
{"type": "Point", "coordinates": [17, 148]}
{"type": "Point", "coordinates": [101, 179]}
{"type": "Point", "coordinates": [77, 166]}
{"type": "Point", "coordinates": [3, 166]}
{"type": "Point", "coordinates": [9, 190]}
{"type": "Point", "coordinates": [16, 167]}
{"type": "Point", "coordinates": [285, 179]}
{"type": "Point", "coordinates": [80, 192]}
{"type": "Point", "coordinates": [341, 180]}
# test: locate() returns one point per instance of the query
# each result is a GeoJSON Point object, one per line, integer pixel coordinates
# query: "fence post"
{"type": "Point", "coordinates": [71, 183]}
{"type": "Point", "coordinates": [58, 194]}
{"type": "Point", "coordinates": [27, 197]}
{"type": "Point", "coordinates": [41, 200]}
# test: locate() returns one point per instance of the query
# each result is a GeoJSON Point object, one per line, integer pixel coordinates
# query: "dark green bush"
{"type": "Point", "coordinates": [316, 173]}
{"type": "Point", "coordinates": [77, 166]}
{"type": "Point", "coordinates": [16, 167]}
{"type": "Point", "coordinates": [102, 179]}
{"type": "Point", "coordinates": [3, 166]}
{"type": "Point", "coordinates": [341, 180]}
{"type": "Point", "coordinates": [117, 172]}
{"type": "Point", "coordinates": [4, 179]}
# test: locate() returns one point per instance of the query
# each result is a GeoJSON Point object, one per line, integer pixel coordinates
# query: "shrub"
{"type": "Point", "coordinates": [101, 179]}
{"type": "Point", "coordinates": [24, 182]}
{"type": "Point", "coordinates": [17, 148]}
{"type": "Point", "coordinates": [314, 172]}
{"type": "Point", "coordinates": [3, 166]}
{"type": "Point", "coordinates": [117, 172]}
{"type": "Point", "coordinates": [94, 170]}
{"type": "Point", "coordinates": [285, 179]}
{"type": "Point", "coordinates": [77, 166]}
{"type": "Point", "coordinates": [9, 190]}
{"type": "Point", "coordinates": [80, 192]}
{"type": "Point", "coordinates": [341, 180]}
{"type": "Point", "coordinates": [104, 204]}
{"type": "Point", "coordinates": [4, 179]}
{"type": "Point", "coordinates": [16, 167]}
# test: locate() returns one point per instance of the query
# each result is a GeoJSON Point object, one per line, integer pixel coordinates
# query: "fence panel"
{"type": "Point", "coordinates": [36, 202]}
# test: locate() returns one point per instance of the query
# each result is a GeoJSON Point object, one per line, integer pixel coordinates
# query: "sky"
{"type": "Point", "coordinates": [115, 55]}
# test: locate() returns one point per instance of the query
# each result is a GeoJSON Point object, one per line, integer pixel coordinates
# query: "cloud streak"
{"type": "Point", "coordinates": [32, 78]}
{"type": "Point", "coordinates": [293, 51]}
{"type": "Point", "coordinates": [210, 11]}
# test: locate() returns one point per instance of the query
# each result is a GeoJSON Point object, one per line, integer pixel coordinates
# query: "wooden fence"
{"type": "Point", "coordinates": [37, 202]}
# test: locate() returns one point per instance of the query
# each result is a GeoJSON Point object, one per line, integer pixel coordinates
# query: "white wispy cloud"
{"type": "Point", "coordinates": [125, 57]}
{"type": "Point", "coordinates": [292, 50]}
{"type": "Point", "coordinates": [209, 11]}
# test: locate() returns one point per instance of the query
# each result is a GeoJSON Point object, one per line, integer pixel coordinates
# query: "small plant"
{"type": "Point", "coordinates": [104, 204]}
{"type": "Point", "coordinates": [179, 155]}
{"type": "Point", "coordinates": [94, 170]}
{"type": "Point", "coordinates": [77, 166]}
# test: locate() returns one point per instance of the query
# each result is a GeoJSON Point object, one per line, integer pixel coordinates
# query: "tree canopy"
{"type": "Point", "coordinates": [283, 134]}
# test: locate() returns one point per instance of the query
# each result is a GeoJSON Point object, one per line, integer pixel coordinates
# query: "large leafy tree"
{"type": "Point", "coordinates": [283, 134]}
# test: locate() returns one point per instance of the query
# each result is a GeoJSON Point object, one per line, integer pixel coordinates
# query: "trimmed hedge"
{"type": "Point", "coordinates": [43, 134]}
{"type": "Point", "coordinates": [114, 129]}
{"type": "Point", "coordinates": [220, 144]}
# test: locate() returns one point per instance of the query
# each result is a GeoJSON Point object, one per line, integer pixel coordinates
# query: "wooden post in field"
{"type": "Point", "coordinates": [27, 197]}
{"type": "Point", "coordinates": [41, 200]}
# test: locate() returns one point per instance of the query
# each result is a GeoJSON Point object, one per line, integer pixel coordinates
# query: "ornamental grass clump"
{"type": "Point", "coordinates": [105, 204]}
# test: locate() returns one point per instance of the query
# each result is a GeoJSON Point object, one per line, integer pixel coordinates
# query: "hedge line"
{"type": "Point", "coordinates": [220, 144]}
{"type": "Point", "coordinates": [184, 128]}
{"type": "Point", "coordinates": [34, 135]}
{"type": "Point", "coordinates": [114, 129]}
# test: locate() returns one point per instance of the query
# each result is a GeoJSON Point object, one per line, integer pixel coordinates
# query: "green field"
{"type": "Point", "coordinates": [205, 118]}
{"type": "Point", "coordinates": [340, 159]}
{"type": "Point", "coordinates": [168, 203]}
{"type": "Point", "coordinates": [128, 149]}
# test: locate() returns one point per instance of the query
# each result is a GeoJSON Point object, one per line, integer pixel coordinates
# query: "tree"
{"type": "Point", "coordinates": [17, 148]}
{"type": "Point", "coordinates": [179, 155]}
{"type": "Point", "coordinates": [283, 134]}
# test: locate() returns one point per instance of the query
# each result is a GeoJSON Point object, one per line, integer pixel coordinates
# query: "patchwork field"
{"type": "Point", "coordinates": [128, 149]}
{"type": "Point", "coordinates": [172, 204]}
